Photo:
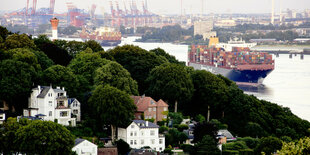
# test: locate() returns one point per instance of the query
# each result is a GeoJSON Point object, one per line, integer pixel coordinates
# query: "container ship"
{"type": "Point", "coordinates": [240, 64]}
{"type": "Point", "coordinates": [105, 36]}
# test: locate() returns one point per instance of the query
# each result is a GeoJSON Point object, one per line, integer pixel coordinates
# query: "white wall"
{"type": "Point", "coordinates": [86, 147]}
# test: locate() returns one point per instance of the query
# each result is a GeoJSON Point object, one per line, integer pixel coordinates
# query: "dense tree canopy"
{"type": "Point", "coordinates": [19, 41]}
{"type": "Point", "coordinates": [297, 148]}
{"type": "Point", "coordinates": [17, 79]}
{"type": "Point", "coordinates": [112, 106]}
{"type": "Point", "coordinates": [170, 82]}
{"type": "Point", "coordinates": [137, 61]}
{"type": "Point", "coordinates": [115, 75]}
{"type": "Point", "coordinates": [170, 58]}
{"type": "Point", "coordinates": [85, 63]}
{"type": "Point", "coordinates": [62, 76]}
{"type": "Point", "coordinates": [44, 137]}
{"type": "Point", "coordinates": [209, 90]}
{"type": "Point", "coordinates": [207, 145]}
{"type": "Point", "coordinates": [268, 145]}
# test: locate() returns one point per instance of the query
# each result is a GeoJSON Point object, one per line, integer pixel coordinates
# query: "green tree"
{"type": "Point", "coordinates": [254, 130]}
{"type": "Point", "coordinates": [207, 146]}
{"type": "Point", "coordinates": [137, 61]}
{"type": "Point", "coordinates": [170, 82]}
{"type": "Point", "coordinates": [19, 41]}
{"type": "Point", "coordinates": [205, 128]}
{"type": "Point", "coordinates": [112, 106]}
{"type": "Point", "coordinates": [8, 136]}
{"type": "Point", "coordinates": [175, 137]}
{"type": "Point", "coordinates": [268, 145]}
{"type": "Point", "coordinates": [62, 76]}
{"type": "Point", "coordinates": [170, 58]}
{"type": "Point", "coordinates": [176, 117]}
{"type": "Point", "coordinates": [122, 147]}
{"type": "Point", "coordinates": [16, 82]}
{"type": "Point", "coordinates": [297, 148]}
{"type": "Point", "coordinates": [23, 55]}
{"type": "Point", "coordinates": [209, 92]}
{"type": "Point", "coordinates": [94, 45]}
{"type": "Point", "coordinates": [115, 75]}
{"type": "Point", "coordinates": [86, 63]}
{"type": "Point", "coordinates": [44, 137]}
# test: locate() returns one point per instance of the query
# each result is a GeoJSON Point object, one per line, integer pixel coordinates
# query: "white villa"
{"type": "Point", "coordinates": [84, 147]}
{"type": "Point", "coordinates": [142, 133]}
{"type": "Point", "coordinates": [51, 105]}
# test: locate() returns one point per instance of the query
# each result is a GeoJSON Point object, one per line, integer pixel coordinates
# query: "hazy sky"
{"type": "Point", "coordinates": [172, 6]}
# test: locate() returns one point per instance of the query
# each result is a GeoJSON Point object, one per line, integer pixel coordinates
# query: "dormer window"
{"type": "Point", "coordinates": [152, 102]}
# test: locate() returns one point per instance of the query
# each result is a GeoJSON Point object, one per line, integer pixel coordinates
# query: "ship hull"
{"type": "Point", "coordinates": [239, 76]}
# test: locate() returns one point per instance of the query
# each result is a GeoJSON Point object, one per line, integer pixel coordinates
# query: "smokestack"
{"type": "Point", "coordinates": [54, 21]}
{"type": "Point", "coordinates": [272, 12]}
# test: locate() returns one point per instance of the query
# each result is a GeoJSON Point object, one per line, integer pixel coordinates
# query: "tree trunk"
{"type": "Point", "coordinates": [113, 131]}
{"type": "Point", "coordinates": [208, 115]}
{"type": "Point", "coordinates": [176, 106]}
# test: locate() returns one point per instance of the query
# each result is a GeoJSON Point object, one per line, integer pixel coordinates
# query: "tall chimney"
{"type": "Point", "coordinates": [54, 21]}
{"type": "Point", "coordinates": [272, 12]}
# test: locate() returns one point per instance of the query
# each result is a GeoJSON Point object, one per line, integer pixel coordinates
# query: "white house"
{"type": "Point", "coordinates": [50, 105]}
{"type": "Point", "coordinates": [142, 133]}
{"type": "Point", "coordinates": [75, 106]}
{"type": "Point", "coordinates": [2, 116]}
{"type": "Point", "coordinates": [82, 146]}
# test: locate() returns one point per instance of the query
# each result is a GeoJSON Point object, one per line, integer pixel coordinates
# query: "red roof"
{"type": "Point", "coordinates": [143, 102]}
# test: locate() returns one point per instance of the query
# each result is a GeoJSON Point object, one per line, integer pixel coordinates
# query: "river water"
{"type": "Point", "coordinates": [287, 85]}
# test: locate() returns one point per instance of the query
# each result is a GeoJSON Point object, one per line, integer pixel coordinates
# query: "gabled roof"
{"type": "Point", "coordinates": [70, 100]}
{"type": "Point", "coordinates": [161, 103]}
{"type": "Point", "coordinates": [226, 133]}
{"type": "Point", "coordinates": [144, 102]}
{"type": "Point", "coordinates": [78, 141]}
{"type": "Point", "coordinates": [44, 90]}
{"type": "Point", "coordinates": [144, 124]}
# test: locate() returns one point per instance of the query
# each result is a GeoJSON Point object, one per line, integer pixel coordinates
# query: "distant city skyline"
{"type": "Point", "coordinates": [171, 6]}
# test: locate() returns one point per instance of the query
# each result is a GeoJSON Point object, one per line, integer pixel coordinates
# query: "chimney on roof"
{"type": "Point", "coordinates": [63, 88]}
{"type": "Point", "coordinates": [57, 87]}
{"type": "Point", "coordinates": [143, 96]}
{"type": "Point", "coordinates": [147, 123]}
{"type": "Point", "coordinates": [39, 87]}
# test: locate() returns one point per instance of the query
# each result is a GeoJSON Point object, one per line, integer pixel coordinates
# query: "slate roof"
{"type": "Point", "coordinates": [142, 124]}
{"type": "Point", "coordinates": [225, 133]}
{"type": "Point", "coordinates": [78, 141]}
{"type": "Point", "coordinates": [70, 101]}
{"type": "Point", "coordinates": [44, 90]}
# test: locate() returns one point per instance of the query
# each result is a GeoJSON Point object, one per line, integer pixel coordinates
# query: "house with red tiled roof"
{"type": "Point", "coordinates": [150, 108]}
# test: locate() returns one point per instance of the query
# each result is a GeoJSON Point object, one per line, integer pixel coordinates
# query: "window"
{"type": "Point", "coordinates": [150, 109]}
{"type": "Point", "coordinates": [135, 133]}
{"type": "Point", "coordinates": [142, 133]}
{"type": "Point", "coordinates": [60, 103]}
{"type": "Point", "coordinates": [160, 149]}
{"type": "Point", "coordinates": [75, 111]}
{"type": "Point", "coordinates": [154, 116]}
{"type": "Point", "coordinates": [63, 113]}
{"type": "Point", "coordinates": [152, 102]}
{"type": "Point", "coordinates": [131, 142]}
{"type": "Point", "coordinates": [142, 141]}
{"type": "Point", "coordinates": [152, 141]}
{"type": "Point", "coordinates": [50, 113]}
{"type": "Point", "coordinates": [152, 132]}
{"type": "Point", "coordinates": [131, 133]}
{"type": "Point", "coordinates": [154, 109]}
{"type": "Point", "coordinates": [132, 126]}
{"type": "Point", "coordinates": [135, 142]}
{"type": "Point", "coordinates": [165, 109]}
{"type": "Point", "coordinates": [160, 141]}
{"type": "Point", "coordinates": [165, 116]}
{"type": "Point", "coordinates": [50, 103]}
